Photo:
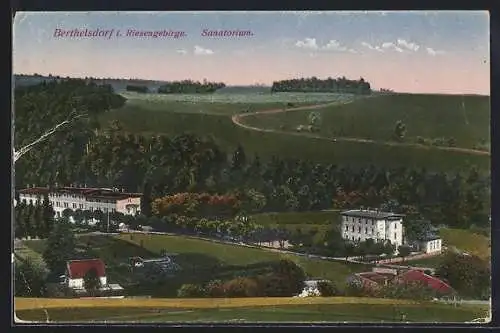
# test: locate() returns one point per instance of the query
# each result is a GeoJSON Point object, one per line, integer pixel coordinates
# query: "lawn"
{"type": "Point", "coordinates": [431, 262]}
{"type": "Point", "coordinates": [147, 121]}
{"type": "Point", "coordinates": [465, 118]}
{"type": "Point", "coordinates": [245, 310]}
{"type": "Point", "coordinates": [467, 241]}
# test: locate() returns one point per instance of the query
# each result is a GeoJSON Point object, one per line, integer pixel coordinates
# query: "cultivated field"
{"type": "Point", "coordinates": [166, 114]}
{"type": "Point", "coordinates": [334, 309]}
{"type": "Point", "coordinates": [466, 119]}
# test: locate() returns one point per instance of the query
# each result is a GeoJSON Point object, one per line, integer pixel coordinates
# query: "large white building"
{"type": "Point", "coordinates": [83, 198]}
{"type": "Point", "coordinates": [359, 225]}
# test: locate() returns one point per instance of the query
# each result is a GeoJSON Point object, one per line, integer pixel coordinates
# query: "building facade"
{"type": "Point", "coordinates": [360, 225]}
{"type": "Point", "coordinates": [83, 198]}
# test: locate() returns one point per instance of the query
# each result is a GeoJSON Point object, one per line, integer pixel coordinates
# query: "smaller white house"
{"type": "Point", "coordinates": [77, 269]}
{"type": "Point", "coordinates": [430, 243]}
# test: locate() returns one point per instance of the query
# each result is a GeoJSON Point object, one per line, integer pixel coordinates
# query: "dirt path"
{"type": "Point", "coordinates": [237, 120]}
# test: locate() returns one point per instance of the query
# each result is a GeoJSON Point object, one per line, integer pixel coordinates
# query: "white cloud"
{"type": "Point", "coordinates": [433, 52]}
{"type": "Point", "coordinates": [388, 45]}
{"type": "Point", "coordinates": [307, 43]}
{"type": "Point", "coordinates": [334, 45]}
{"type": "Point", "coordinates": [371, 47]}
{"type": "Point", "coordinates": [409, 45]}
{"type": "Point", "coordinates": [181, 51]}
{"type": "Point", "coordinates": [198, 50]}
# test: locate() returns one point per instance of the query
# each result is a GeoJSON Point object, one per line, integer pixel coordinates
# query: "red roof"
{"type": "Point", "coordinates": [434, 283]}
{"type": "Point", "coordinates": [78, 268]}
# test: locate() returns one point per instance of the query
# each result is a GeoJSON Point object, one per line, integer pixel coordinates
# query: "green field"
{"type": "Point", "coordinates": [366, 313]}
{"type": "Point", "coordinates": [468, 241]}
{"type": "Point", "coordinates": [229, 103]}
{"type": "Point", "coordinates": [427, 116]}
{"type": "Point", "coordinates": [170, 116]}
{"type": "Point", "coordinates": [202, 252]}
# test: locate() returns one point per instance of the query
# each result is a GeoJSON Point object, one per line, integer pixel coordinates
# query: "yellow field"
{"type": "Point", "coordinates": [22, 303]}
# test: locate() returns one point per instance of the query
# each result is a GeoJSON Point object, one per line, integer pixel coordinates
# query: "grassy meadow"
{"type": "Point", "coordinates": [178, 114]}
{"type": "Point", "coordinates": [467, 241]}
{"type": "Point", "coordinates": [331, 309]}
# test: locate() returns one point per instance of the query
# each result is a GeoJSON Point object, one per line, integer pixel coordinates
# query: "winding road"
{"type": "Point", "coordinates": [237, 120]}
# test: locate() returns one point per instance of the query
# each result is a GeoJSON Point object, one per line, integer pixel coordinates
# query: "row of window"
{"type": "Point", "coordinates": [434, 246]}
{"type": "Point", "coordinates": [366, 231]}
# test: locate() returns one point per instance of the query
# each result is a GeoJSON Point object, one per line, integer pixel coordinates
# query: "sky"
{"type": "Point", "coordinates": [419, 52]}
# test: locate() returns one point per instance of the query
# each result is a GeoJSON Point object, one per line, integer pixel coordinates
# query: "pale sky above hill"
{"type": "Point", "coordinates": [437, 52]}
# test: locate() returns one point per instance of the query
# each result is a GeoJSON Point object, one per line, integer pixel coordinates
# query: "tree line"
{"type": "Point", "coordinates": [330, 85]}
{"type": "Point", "coordinates": [33, 220]}
{"type": "Point", "coordinates": [190, 87]}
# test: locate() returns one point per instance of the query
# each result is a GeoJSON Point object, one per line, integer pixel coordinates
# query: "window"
{"type": "Point", "coordinates": [74, 205]}
{"type": "Point", "coordinates": [352, 228]}
{"type": "Point", "coordinates": [65, 205]}
{"type": "Point", "coordinates": [395, 236]}
{"type": "Point", "coordinates": [81, 206]}
{"type": "Point", "coordinates": [366, 230]}
{"type": "Point", "coordinates": [114, 210]}
{"type": "Point", "coordinates": [359, 229]}
{"type": "Point", "coordinates": [346, 228]}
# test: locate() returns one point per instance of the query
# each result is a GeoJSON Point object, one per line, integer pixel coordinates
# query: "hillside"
{"type": "Point", "coordinates": [466, 119]}
{"type": "Point", "coordinates": [140, 118]}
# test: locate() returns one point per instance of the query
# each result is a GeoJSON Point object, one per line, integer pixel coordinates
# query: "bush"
{"type": "Point", "coordinates": [215, 289]}
{"type": "Point", "coordinates": [291, 275]}
{"type": "Point", "coordinates": [327, 289]}
{"type": "Point", "coordinates": [241, 287]}
{"type": "Point", "coordinates": [272, 285]}
{"type": "Point", "coordinates": [191, 290]}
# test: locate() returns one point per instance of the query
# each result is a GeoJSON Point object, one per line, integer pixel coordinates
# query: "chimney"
{"type": "Point", "coordinates": [85, 185]}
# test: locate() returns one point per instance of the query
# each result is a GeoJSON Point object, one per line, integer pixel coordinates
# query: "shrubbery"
{"type": "Point", "coordinates": [285, 280]}
{"type": "Point", "coordinates": [327, 289]}
{"type": "Point", "coordinates": [191, 291]}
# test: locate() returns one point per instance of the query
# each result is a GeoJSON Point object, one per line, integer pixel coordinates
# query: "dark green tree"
{"type": "Point", "coordinates": [60, 246]}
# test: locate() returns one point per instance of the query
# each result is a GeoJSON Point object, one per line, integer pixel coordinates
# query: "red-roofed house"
{"type": "Point", "coordinates": [416, 275]}
{"type": "Point", "coordinates": [76, 270]}
{"type": "Point", "coordinates": [378, 278]}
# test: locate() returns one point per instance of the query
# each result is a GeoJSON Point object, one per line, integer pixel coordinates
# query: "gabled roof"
{"type": "Point", "coordinates": [78, 268]}
{"type": "Point", "coordinates": [370, 214]}
{"type": "Point", "coordinates": [432, 282]}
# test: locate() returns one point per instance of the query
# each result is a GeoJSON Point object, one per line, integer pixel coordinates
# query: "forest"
{"type": "Point", "coordinates": [313, 84]}
{"type": "Point", "coordinates": [161, 166]}
{"type": "Point", "coordinates": [190, 87]}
